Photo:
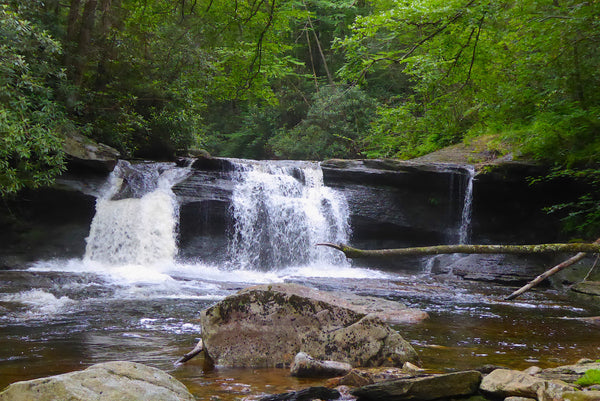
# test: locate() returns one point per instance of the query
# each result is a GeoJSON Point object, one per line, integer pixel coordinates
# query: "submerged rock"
{"type": "Point", "coordinates": [102, 382]}
{"type": "Point", "coordinates": [267, 325]}
{"type": "Point", "coordinates": [307, 394]}
{"type": "Point", "coordinates": [428, 387]}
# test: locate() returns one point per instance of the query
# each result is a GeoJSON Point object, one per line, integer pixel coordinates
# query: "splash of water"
{"type": "Point", "coordinates": [136, 218]}
{"type": "Point", "coordinates": [281, 211]}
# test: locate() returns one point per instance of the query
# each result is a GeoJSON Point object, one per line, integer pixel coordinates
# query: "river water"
{"type": "Point", "coordinates": [130, 298]}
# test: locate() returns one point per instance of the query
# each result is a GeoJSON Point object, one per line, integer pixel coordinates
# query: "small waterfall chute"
{"type": "Point", "coordinates": [281, 211]}
{"type": "Point", "coordinates": [464, 232]}
{"type": "Point", "coordinates": [136, 218]}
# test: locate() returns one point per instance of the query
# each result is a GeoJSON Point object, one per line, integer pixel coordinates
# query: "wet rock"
{"type": "Point", "coordinates": [267, 325]}
{"type": "Point", "coordinates": [397, 203]}
{"type": "Point", "coordinates": [307, 394]}
{"type": "Point", "coordinates": [428, 387]}
{"type": "Point", "coordinates": [502, 269]}
{"type": "Point", "coordinates": [306, 366]}
{"type": "Point", "coordinates": [581, 396]}
{"type": "Point", "coordinates": [509, 383]}
{"type": "Point", "coordinates": [105, 381]}
{"type": "Point", "coordinates": [44, 224]}
{"type": "Point", "coordinates": [206, 162]}
{"type": "Point", "coordinates": [205, 218]}
{"type": "Point", "coordinates": [85, 152]}
{"type": "Point", "coordinates": [569, 373]}
{"type": "Point", "coordinates": [533, 370]}
{"type": "Point", "coordinates": [587, 287]}
{"type": "Point", "coordinates": [362, 377]}
{"type": "Point", "coordinates": [519, 399]}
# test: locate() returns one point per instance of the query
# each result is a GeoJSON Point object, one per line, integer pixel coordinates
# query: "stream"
{"type": "Point", "coordinates": [130, 297]}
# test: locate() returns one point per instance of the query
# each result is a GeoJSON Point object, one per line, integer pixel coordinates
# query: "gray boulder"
{"type": "Point", "coordinates": [85, 152]}
{"type": "Point", "coordinates": [267, 325]}
{"type": "Point", "coordinates": [512, 383]}
{"type": "Point", "coordinates": [110, 381]}
{"type": "Point", "coordinates": [428, 387]}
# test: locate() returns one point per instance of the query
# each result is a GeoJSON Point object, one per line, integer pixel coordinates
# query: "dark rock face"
{"type": "Point", "coordinates": [44, 224]}
{"type": "Point", "coordinates": [204, 214]}
{"type": "Point", "coordinates": [508, 208]}
{"type": "Point", "coordinates": [502, 269]}
{"type": "Point", "coordinates": [397, 203]}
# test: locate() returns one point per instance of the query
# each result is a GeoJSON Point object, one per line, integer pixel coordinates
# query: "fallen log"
{"type": "Point", "coordinates": [582, 248]}
{"type": "Point", "coordinates": [354, 253]}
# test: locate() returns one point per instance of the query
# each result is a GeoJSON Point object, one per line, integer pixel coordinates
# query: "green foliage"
{"type": "Point", "coordinates": [589, 378]}
{"type": "Point", "coordinates": [30, 118]}
{"type": "Point", "coordinates": [331, 129]}
{"type": "Point", "coordinates": [478, 67]}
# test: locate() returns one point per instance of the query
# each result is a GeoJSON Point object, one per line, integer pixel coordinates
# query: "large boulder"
{"type": "Point", "coordinates": [102, 382]}
{"type": "Point", "coordinates": [85, 152]}
{"type": "Point", "coordinates": [267, 325]}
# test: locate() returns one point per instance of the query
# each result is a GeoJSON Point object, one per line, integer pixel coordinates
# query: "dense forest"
{"type": "Point", "coordinates": [302, 79]}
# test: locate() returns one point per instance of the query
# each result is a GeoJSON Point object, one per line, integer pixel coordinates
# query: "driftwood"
{"type": "Point", "coordinates": [549, 273]}
{"type": "Point", "coordinates": [581, 248]}
{"type": "Point", "coordinates": [197, 349]}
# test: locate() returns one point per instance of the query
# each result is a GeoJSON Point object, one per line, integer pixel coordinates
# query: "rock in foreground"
{"type": "Point", "coordinates": [427, 387]}
{"type": "Point", "coordinates": [267, 325]}
{"type": "Point", "coordinates": [102, 382]}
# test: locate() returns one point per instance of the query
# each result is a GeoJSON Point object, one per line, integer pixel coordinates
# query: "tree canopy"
{"type": "Point", "coordinates": [308, 79]}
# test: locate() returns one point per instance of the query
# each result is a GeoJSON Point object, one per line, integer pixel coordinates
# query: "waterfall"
{"type": "Point", "coordinates": [281, 211]}
{"type": "Point", "coordinates": [136, 217]}
{"type": "Point", "coordinates": [465, 223]}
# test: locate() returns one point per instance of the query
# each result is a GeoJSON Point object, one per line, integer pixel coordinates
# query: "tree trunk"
{"type": "Point", "coordinates": [550, 272]}
{"type": "Point", "coordinates": [355, 253]}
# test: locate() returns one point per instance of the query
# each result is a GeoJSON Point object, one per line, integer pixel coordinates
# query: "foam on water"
{"type": "Point", "coordinates": [281, 211]}
{"type": "Point", "coordinates": [39, 303]}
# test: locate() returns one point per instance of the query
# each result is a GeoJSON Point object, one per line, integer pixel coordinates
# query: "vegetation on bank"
{"type": "Point", "coordinates": [302, 79]}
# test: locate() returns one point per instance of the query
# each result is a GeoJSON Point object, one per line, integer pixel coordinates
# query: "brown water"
{"type": "Point", "coordinates": [53, 322]}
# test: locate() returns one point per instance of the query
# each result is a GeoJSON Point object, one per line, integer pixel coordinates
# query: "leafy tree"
{"type": "Point", "coordinates": [473, 67]}
{"type": "Point", "coordinates": [31, 120]}
{"type": "Point", "coordinates": [332, 128]}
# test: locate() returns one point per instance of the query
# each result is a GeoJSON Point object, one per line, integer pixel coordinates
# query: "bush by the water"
{"type": "Point", "coordinates": [590, 377]}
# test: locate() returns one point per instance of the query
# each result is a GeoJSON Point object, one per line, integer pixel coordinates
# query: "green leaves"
{"type": "Point", "coordinates": [30, 118]}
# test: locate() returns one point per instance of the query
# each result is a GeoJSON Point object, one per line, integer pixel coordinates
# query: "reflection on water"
{"type": "Point", "coordinates": [59, 317]}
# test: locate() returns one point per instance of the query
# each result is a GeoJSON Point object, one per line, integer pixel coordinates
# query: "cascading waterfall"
{"type": "Point", "coordinates": [136, 217]}
{"type": "Point", "coordinates": [281, 211]}
{"type": "Point", "coordinates": [465, 223]}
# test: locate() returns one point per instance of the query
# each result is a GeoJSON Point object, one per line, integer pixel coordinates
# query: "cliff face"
{"type": "Point", "coordinates": [391, 203]}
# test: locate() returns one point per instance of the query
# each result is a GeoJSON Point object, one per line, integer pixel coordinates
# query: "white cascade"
{"type": "Point", "coordinates": [281, 211]}
{"type": "Point", "coordinates": [464, 231]}
{"type": "Point", "coordinates": [136, 218]}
